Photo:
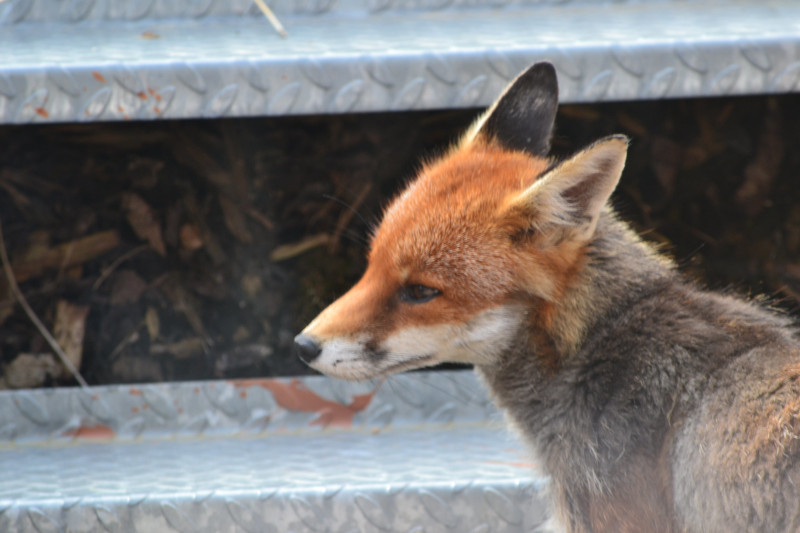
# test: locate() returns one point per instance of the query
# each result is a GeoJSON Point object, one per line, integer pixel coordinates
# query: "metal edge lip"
{"type": "Point", "coordinates": [512, 504]}
{"type": "Point", "coordinates": [17, 12]}
{"type": "Point", "coordinates": [186, 410]}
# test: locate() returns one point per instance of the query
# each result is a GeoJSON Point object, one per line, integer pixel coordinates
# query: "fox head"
{"type": "Point", "coordinates": [483, 242]}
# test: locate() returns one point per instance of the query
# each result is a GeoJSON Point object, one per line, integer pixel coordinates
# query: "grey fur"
{"type": "Point", "coordinates": [678, 410]}
{"type": "Point", "coordinates": [663, 372]}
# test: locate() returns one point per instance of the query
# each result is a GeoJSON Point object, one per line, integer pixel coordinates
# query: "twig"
{"type": "Point", "coordinates": [12, 283]}
{"type": "Point", "coordinates": [271, 18]}
{"type": "Point", "coordinates": [288, 251]}
{"type": "Point", "coordinates": [261, 219]}
{"type": "Point", "coordinates": [117, 262]}
{"type": "Point", "coordinates": [346, 216]}
{"type": "Point", "coordinates": [131, 337]}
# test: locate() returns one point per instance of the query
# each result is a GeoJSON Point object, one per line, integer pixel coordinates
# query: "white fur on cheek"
{"type": "Point", "coordinates": [491, 332]}
{"type": "Point", "coordinates": [478, 341]}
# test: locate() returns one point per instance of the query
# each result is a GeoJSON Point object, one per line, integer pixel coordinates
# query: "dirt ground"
{"type": "Point", "coordinates": [197, 249]}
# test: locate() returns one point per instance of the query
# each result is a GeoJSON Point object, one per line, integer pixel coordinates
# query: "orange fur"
{"type": "Point", "coordinates": [449, 229]}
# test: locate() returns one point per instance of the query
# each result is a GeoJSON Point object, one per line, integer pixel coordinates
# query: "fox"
{"type": "Point", "coordinates": [652, 403]}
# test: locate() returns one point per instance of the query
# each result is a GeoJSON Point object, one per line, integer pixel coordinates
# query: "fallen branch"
{"type": "Point", "coordinates": [12, 283]}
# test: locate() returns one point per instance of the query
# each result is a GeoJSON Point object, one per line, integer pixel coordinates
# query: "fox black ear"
{"type": "Point", "coordinates": [522, 118]}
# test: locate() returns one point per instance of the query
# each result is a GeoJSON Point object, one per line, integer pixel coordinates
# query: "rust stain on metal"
{"type": "Point", "coordinates": [135, 392]}
{"type": "Point", "coordinates": [42, 112]}
{"type": "Point", "coordinates": [99, 77]}
{"type": "Point", "coordinates": [295, 396]}
{"type": "Point", "coordinates": [90, 432]}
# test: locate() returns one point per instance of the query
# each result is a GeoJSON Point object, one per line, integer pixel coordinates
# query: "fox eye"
{"type": "Point", "coordinates": [417, 294]}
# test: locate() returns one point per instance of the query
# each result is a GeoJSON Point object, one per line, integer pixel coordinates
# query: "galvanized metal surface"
{"type": "Point", "coordinates": [468, 478]}
{"type": "Point", "coordinates": [418, 451]}
{"type": "Point", "coordinates": [209, 408]}
{"type": "Point", "coordinates": [86, 60]}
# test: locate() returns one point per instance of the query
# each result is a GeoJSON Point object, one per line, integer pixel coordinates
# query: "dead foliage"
{"type": "Point", "coordinates": [197, 249]}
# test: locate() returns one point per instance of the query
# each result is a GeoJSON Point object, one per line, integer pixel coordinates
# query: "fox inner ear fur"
{"type": "Point", "coordinates": [522, 118]}
{"type": "Point", "coordinates": [572, 195]}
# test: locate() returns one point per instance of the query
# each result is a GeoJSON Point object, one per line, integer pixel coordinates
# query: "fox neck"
{"type": "Point", "coordinates": [617, 269]}
{"type": "Point", "coordinates": [537, 380]}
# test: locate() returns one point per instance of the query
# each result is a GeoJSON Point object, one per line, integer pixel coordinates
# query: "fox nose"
{"type": "Point", "coordinates": [307, 349]}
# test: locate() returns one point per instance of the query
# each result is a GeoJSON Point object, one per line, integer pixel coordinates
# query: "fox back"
{"type": "Point", "coordinates": [653, 405]}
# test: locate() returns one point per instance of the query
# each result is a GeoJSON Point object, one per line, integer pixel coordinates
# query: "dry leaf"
{"type": "Point", "coordinates": [152, 322]}
{"type": "Point", "coordinates": [251, 285]}
{"type": "Point", "coordinates": [181, 349]}
{"type": "Point", "coordinates": [198, 217]}
{"type": "Point", "coordinates": [127, 287]}
{"type": "Point", "coordinates": [66, 255]}
{"type": "Point", "coordinates": [132, 368]}
{"type": "Point", "coordinates": [37, 248]}
{"type": "Point", "coordinates": [240, 358]}
{"type": "Point", "coordinates": [30, 370]}
{"type": "Point", "coordinates": [144, 172]}
{"type": "Point", "coordinates": [69, 329]}
{"type": "Point", "coordinates": [144, 221]}
{"type": "Point", "coordinates": [190, 237]}
{"type": "Point", "coordinates": [235, 219]}
{"type": "Point", "coordinates": [241, 334]}
{"type": "Point", "coordinates": [184, 303]}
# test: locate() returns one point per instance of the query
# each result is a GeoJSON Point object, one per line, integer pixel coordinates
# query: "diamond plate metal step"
{"type": "Point", "coordinates": [86, 60]}
{"type": "Point", "coordinates": [424, 451]}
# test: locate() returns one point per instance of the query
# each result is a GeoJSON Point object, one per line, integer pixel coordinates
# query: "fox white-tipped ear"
{"type": "Point", "coordinates": [522, 118]}
{"type": "Point", "coordinates": [572, 194]}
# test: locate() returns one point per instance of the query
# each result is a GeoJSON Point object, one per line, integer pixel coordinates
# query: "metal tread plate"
{"type": "Point", "coordinates": [457, 478]}
{"type": "Point", "coordinates": [219, 408]}
{"type": "Point", "coordinates": [364, 59]}
{"type": "Point", "coordinates": [310, 454]}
